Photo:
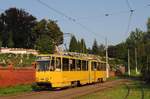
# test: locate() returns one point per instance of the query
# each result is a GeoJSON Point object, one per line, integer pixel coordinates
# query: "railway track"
{"type": "Point", "coordinates": [131, 87]}
{"type": "Point", "coordinates": [69, 93]}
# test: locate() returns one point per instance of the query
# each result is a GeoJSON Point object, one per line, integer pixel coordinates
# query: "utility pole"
{"type": "Point", "coordinates": [136, 70]}
{"type": "Point", "coordinates": [107, 65]}
{"type": "Point", "coordinates": [129, 62]}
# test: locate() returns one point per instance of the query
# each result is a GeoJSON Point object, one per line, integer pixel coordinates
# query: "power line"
{"type": "Point", "coordinates": [85, 27]}
{"type": "Point", "coordinates": [57, 11]}
{"type": "Point", "coordinates": [129, 21]}
{"type": "Point", "coordinates": [128, 4]}
{"type": "Point", "coordinates": [130, 16]}
{"type": "Point", "coordinates": [115, 13]}
{"type": "Point", "coordinates": [68, 17]}
{"type": "Point", "coordinates": [104, 15]}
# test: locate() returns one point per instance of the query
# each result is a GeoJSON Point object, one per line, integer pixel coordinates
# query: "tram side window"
{"type": "Point", "coordinates": [94, 65]}
{"type": "Point", "coordinates": [58, 64]}
{"type": "Point", "coordinates": [84, 65]}
{"type": "Point", "coordinates": [78, 63]}
{"type": "Point", "coordinates": [87, 65]}
{"type": "Point", "coordinates": [72, 64]}
{"type": "Point", "coordinates": [52, 64]}
{"type": "Point", "coordinates": [43, 65]}
{"type": "Point", "coordinates": [65, 64]}
{"type": "Point", "coordinates": [99, 66]}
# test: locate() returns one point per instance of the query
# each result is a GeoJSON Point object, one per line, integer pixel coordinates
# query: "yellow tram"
{"type": "Point", "coordinates": [69, 70]}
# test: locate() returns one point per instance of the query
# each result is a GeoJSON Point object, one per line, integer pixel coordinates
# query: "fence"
{"type": "Point", "coordinates": [13, 76]}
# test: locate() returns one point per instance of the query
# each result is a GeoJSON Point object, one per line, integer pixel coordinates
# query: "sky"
{"type": "Point", "coordinates": [87, 18]}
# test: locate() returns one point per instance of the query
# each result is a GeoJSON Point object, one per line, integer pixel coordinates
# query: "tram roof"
{"type": "Point", "coordinates": [73, 55]}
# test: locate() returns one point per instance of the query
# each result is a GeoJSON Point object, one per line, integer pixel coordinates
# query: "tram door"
{"type": "Point", "coordinates": [93, 71]}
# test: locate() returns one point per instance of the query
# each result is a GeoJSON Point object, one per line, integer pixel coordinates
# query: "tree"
{"type": "Point", "coordinates": [112, 51]}
{"type": "Point", "coordinates": [101, 49]}
{"type": "Point", "coordinates": [73, 46]}
{"type": "Point", "coordinates": [89, 50]}
{"type": "Point", "coordinates": [146, 67]}
{"type": "Point", "coordinates": [54, 32]}
{"type": "Point", "coordinates": [20, 24]}
{"type": "Point", "coordinates": [148, 26]}
{"type": "Point", "coordinates": [50, 29]}
{"type": "Point", "coordinates": [79, 47]}
{"type": "Point", "coordinates": [83, 46]}
{"type": "Point", "coordinates": [45, 45]}
{"type": "Point", "coordinates": [0, 43]}
{"type": "Point", "coordinates": [95, 49]}
{"type": "Point", "coordinates": [135, 38]}
{"type": "Point", "coordinates": [10, 40]}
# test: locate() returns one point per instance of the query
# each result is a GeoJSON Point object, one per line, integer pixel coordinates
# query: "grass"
{"type": "Point", "coordinates": [15, 90]}
{"type": "Point", "coordinates": [120, 92]}
{"type": "Point", "coordinates": [113, 78]}
{"type": "Point", "coordinates": [115, 93]}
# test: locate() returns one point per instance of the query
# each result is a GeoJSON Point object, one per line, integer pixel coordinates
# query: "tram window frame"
{"type": "Point", "coordinates": [72, 65]}
{"type": "Point", "coordinates": [58, 66]}
{"type": "Point", "coordinates": [66, 65]}
{"type": "Point", "coordinates": [94, 66]}
{"type": "Point", "coordinates": [52, 65]}
{"type": "Point", "coordinates": [98, 66]}
{"type": "Point", "coordinates": [84, 65]}
{"type": "Point", "coordinates": [78, 65]}
{"type": "Point", "coordinates": [40, 66]}
{"type": "Point", "coordinates": [87, 62]}
{"type": "Point", "coordinates": [101, 66]}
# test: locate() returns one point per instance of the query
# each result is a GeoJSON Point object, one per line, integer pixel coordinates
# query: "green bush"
{"type": "Point", "coordinates": [18, 60]}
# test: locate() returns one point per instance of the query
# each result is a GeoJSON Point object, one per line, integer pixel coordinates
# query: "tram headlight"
{"type": "Point", "coordinates": [37, 78]}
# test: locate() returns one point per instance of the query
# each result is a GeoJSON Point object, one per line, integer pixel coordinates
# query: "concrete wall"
{"type": "Point", "coordinates": [18, 51]}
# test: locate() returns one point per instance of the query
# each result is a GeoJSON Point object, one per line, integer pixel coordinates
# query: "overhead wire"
{"type": "Point", "coordinates": [105, 15]}
{"type": "Point", "coordinates": [131, 11]}
{"type": "Point", "coordinates": [57, 11]}
{"type": "Point", "coordinates": [128, 4]}
{"type": "Point", "coordinates": [130, 16]}
{"type": "Point", "coordinates": [69, 18]}
{"type": "Point", "coordinates": [129, 23]}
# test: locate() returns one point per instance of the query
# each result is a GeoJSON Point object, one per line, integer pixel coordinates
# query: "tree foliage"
{"type": "Point", "coordinates": [98, 49]}
{"type": "Point", "coordinates": [95, 48]}
{"type": "Point", "coordinates": [20, 29]}
{"type": "Point", "coordinates": [50, 29]}
{"type": "Point", "coordinates": [73, 46]}
{"type": "Point", "coordinates": [77, 46]}
{"type": "Point", "coordinates": [19, 23]}
{"type": "Point", "coordinates": [139, 40]}
{"type": "Point", "coordinates": [45, 45]}
{"type": "Point", "coordinates": [83, 46]}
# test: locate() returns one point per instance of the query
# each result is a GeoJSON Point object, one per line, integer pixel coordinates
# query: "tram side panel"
{"type": "Point", "coordinates": [75, 70]}
{"type": "Point", "coordinates": [98, 72]}
{"type": "Point", "coordinates": [75, 76]}
{"type": "Point", "coordinates": [46, 77]}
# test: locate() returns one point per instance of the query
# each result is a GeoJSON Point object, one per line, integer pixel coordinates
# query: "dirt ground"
{"type": "Point", "coordinates": [68, 93]}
